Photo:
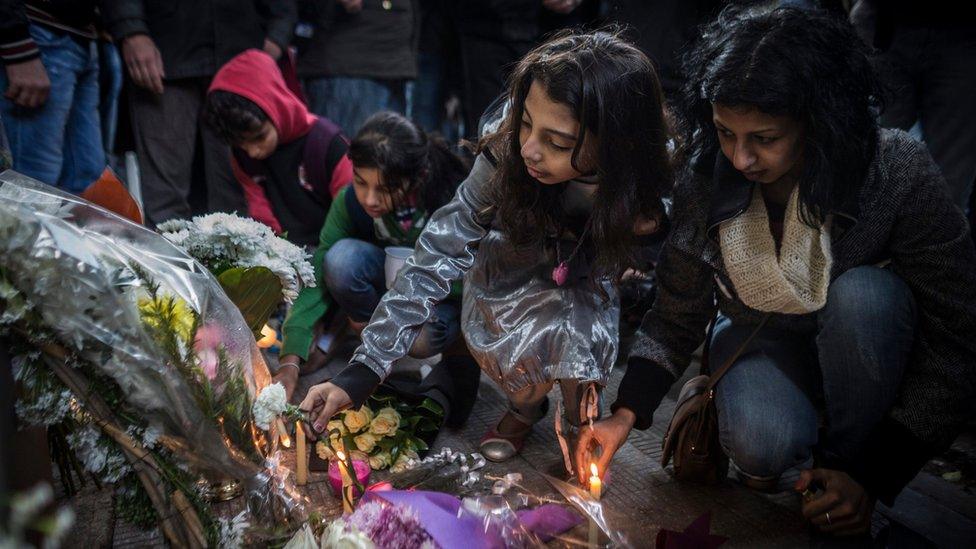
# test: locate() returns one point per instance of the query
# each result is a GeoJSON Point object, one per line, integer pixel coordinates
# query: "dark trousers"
{"type": "Point", "coordinates": [486, 65]}
{"type": "Point", "coordinates": [932, 74]}
{"type": "Point", "coordinates": [167, 130]}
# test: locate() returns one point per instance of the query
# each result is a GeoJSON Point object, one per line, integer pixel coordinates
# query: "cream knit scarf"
{"type": "Point", "coordinates": [796, 281]}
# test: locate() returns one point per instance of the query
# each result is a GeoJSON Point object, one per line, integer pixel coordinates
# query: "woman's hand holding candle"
{"type": "Point", "coordinates": [608, 434]}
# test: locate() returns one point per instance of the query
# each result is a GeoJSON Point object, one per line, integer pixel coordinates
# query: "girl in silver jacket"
{"type": "Point", "coordinates": [542, 229]}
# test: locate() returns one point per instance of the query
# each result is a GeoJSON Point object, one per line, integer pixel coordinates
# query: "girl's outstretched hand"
{"type": "Point", "coordinates": [321, 403]}
{"type": "Point", "coordinates": [609, 434]}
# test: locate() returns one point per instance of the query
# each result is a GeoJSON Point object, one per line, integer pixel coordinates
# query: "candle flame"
{"type": "Point", "coordinates": [594, 470]}
{"type": "Point", "coordinates": [269, 337]}
{"type": "Point", "coordinates": [341, 456]}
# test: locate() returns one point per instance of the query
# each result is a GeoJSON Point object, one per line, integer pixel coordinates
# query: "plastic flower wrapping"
{"type": "Point", "coordinates": [160, 365]}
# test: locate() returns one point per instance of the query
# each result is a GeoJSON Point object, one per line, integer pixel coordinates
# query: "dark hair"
{"type": "Point", "coordinates": [803, 63]}
{"type": "Point", "coordinates": [614, 93]}
{"type": "Point", "coordinates": [409, 160]}
{"type": "Point", "coordinates": [233, 117]}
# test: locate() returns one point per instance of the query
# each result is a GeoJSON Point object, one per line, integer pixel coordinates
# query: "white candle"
{"type": "Point", "coordinates": [596, 490]}
{"type": "Point", "coordinates": [282, 433]}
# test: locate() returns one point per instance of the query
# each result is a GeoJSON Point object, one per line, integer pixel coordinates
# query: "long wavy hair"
{"type": "Point", "coordinates": [803, 63]}
{"type": "Point", "coordinates": [613, 91]}
{"type": "Point", "coordinates": [410, 160]}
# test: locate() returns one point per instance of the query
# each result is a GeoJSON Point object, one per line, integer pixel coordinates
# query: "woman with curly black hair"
{"type": "Point", "coordinates": [796, 218]}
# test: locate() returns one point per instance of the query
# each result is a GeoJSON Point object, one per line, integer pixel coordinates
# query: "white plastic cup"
{"type": "Point", "coordinates": [396, 258]}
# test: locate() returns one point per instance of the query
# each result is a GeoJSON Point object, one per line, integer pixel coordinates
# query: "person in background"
{"type": "Point", "coordinates": [825, 249]}
{"type": "Point", "coordinates": [289, 162]}
{"type": "Point", "coordinates": [494, 35]}
{"type": "Point", "coordinates": [928, 57]}
{"type": "Point", "coordinates": [50, 90]}
{"type": "Point", "coordinates": [662, 29]}
{"type": "Point", "coordinates": [436, 69]}
{"type": "Point", "coordinates": [359, 59]}
{"type": "Point", "coordinates": [402, 175]}
{"type": "Point", "coordinates": [171, 50]}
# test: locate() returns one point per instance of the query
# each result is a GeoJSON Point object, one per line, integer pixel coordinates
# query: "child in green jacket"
{"type": "Point", "coordinates": [401, 175]}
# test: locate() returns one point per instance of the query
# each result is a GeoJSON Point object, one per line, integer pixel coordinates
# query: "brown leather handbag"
{"type": "Point", "coordinates": [691, 441]}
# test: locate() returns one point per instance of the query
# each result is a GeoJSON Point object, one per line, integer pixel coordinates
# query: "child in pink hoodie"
{"type": "Point", "coordinates": [290, 162]}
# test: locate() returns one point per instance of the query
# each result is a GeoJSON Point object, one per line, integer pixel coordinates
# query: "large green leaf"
{"type": "Point", "coordinates": [255, 290]}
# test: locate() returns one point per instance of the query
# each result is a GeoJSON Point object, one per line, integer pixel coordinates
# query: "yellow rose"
{"type": "Point", "coordinates": [336, 444]}
{"type": "Point", "coordinates": [401, 463]}
{"type": "Point", "coordinates": [380, 461]}
{"type": "Point", "coordinates": [386, 423]}
{"type": "Point", "coordinates": [357, 420]}
{"type": "Point", "coordinates": [336, 424]}
{"type": "Point", "coordinates": [323, 450]}
{"type": "Point", "coordinates": [365, 442]}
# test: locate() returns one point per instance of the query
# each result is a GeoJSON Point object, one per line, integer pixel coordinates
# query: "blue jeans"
{"type": "Point", "coordinates": [769, 402]}
{"type": "Point", "coordinates": [59, 142]}
{"type": "Point", "coordinates": [350, 101]}
{"type": "Point", "coordinates": [356, 280]}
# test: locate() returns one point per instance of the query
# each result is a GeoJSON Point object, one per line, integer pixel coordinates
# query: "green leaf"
{"type": "Point", "coordinates": [255, 290]}
{"type": "Point", "coordinates": [432, 406]}
{"type": "Point", "coordinates": [418, 444]}
{"type": "Point", "coordinates": [427, 425]}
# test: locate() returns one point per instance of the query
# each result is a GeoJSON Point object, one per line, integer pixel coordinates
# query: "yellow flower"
{"type": "Point", "coordinates": [380, 461]}
{"type": "Point", "coordinates": [365, 442]}
{"type": "Point", "coordinates": [357, 420]}
{"type": "Point", "coordinates": [386, 423]}
{"type": "Point", "coordinates": [324, 452]}
{"type": "Point", "coordinates": [401, 462]}
{"type": "Point", "coordinates": [336, 444]}
{"type": "Point", "coordinates": [168, 305]}
{"type": "Point", "coordinates": [336, 424]}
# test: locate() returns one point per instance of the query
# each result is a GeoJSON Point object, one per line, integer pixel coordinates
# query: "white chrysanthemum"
{"type": "Point", "coordinates": [102, 458]}
{"type": "Point", "coordinates": [232, 531]}
{"type": "Point", "coordinates": [341, 535]}
{"type": "Point", "coordinates": [228, 239]}
{"type": "Point", "coordinates": [268, 405]}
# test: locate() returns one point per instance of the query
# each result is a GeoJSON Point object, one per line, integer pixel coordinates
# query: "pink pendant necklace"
{"type": "Point", "coordinates": [561, 271]}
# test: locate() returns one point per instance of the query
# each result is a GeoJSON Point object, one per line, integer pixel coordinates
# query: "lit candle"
{"type": "Point", "coordinates": [596, 485]}
{"type": "Point", "coordinates": [282, 433]}
{"type": "Point", "coordinates": [596, 490]}
{"type": "Point", "coordinates": [347, 493]}
{"type": "Point", "coordinates": [301, 456]}
{"type": "Point", "coordinates": [269, 337]}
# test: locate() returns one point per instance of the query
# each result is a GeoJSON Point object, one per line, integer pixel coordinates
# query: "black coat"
{"type": "Point", "coordinates": [196, 37]}
{"type": "Point", "coordinates": [902, 213]}
{"type": "Point", "coordinates": [380, 41]}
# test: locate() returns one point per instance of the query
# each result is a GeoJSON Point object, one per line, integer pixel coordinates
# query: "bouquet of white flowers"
{"type": "Point", "coordinates": [128, 346]}
{"type": "Point", "coordinates": [256, 268]}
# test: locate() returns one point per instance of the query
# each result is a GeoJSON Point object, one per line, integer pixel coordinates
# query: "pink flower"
{"type": "Point", "coordinates": [207, 341]}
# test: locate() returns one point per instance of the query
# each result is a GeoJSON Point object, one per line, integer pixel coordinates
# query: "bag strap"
{"type": "Point", "coordinates": [717, 375]}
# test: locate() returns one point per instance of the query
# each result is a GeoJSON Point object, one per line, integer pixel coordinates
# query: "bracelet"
{"type": "Point", "coordinates": [295, 364]}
